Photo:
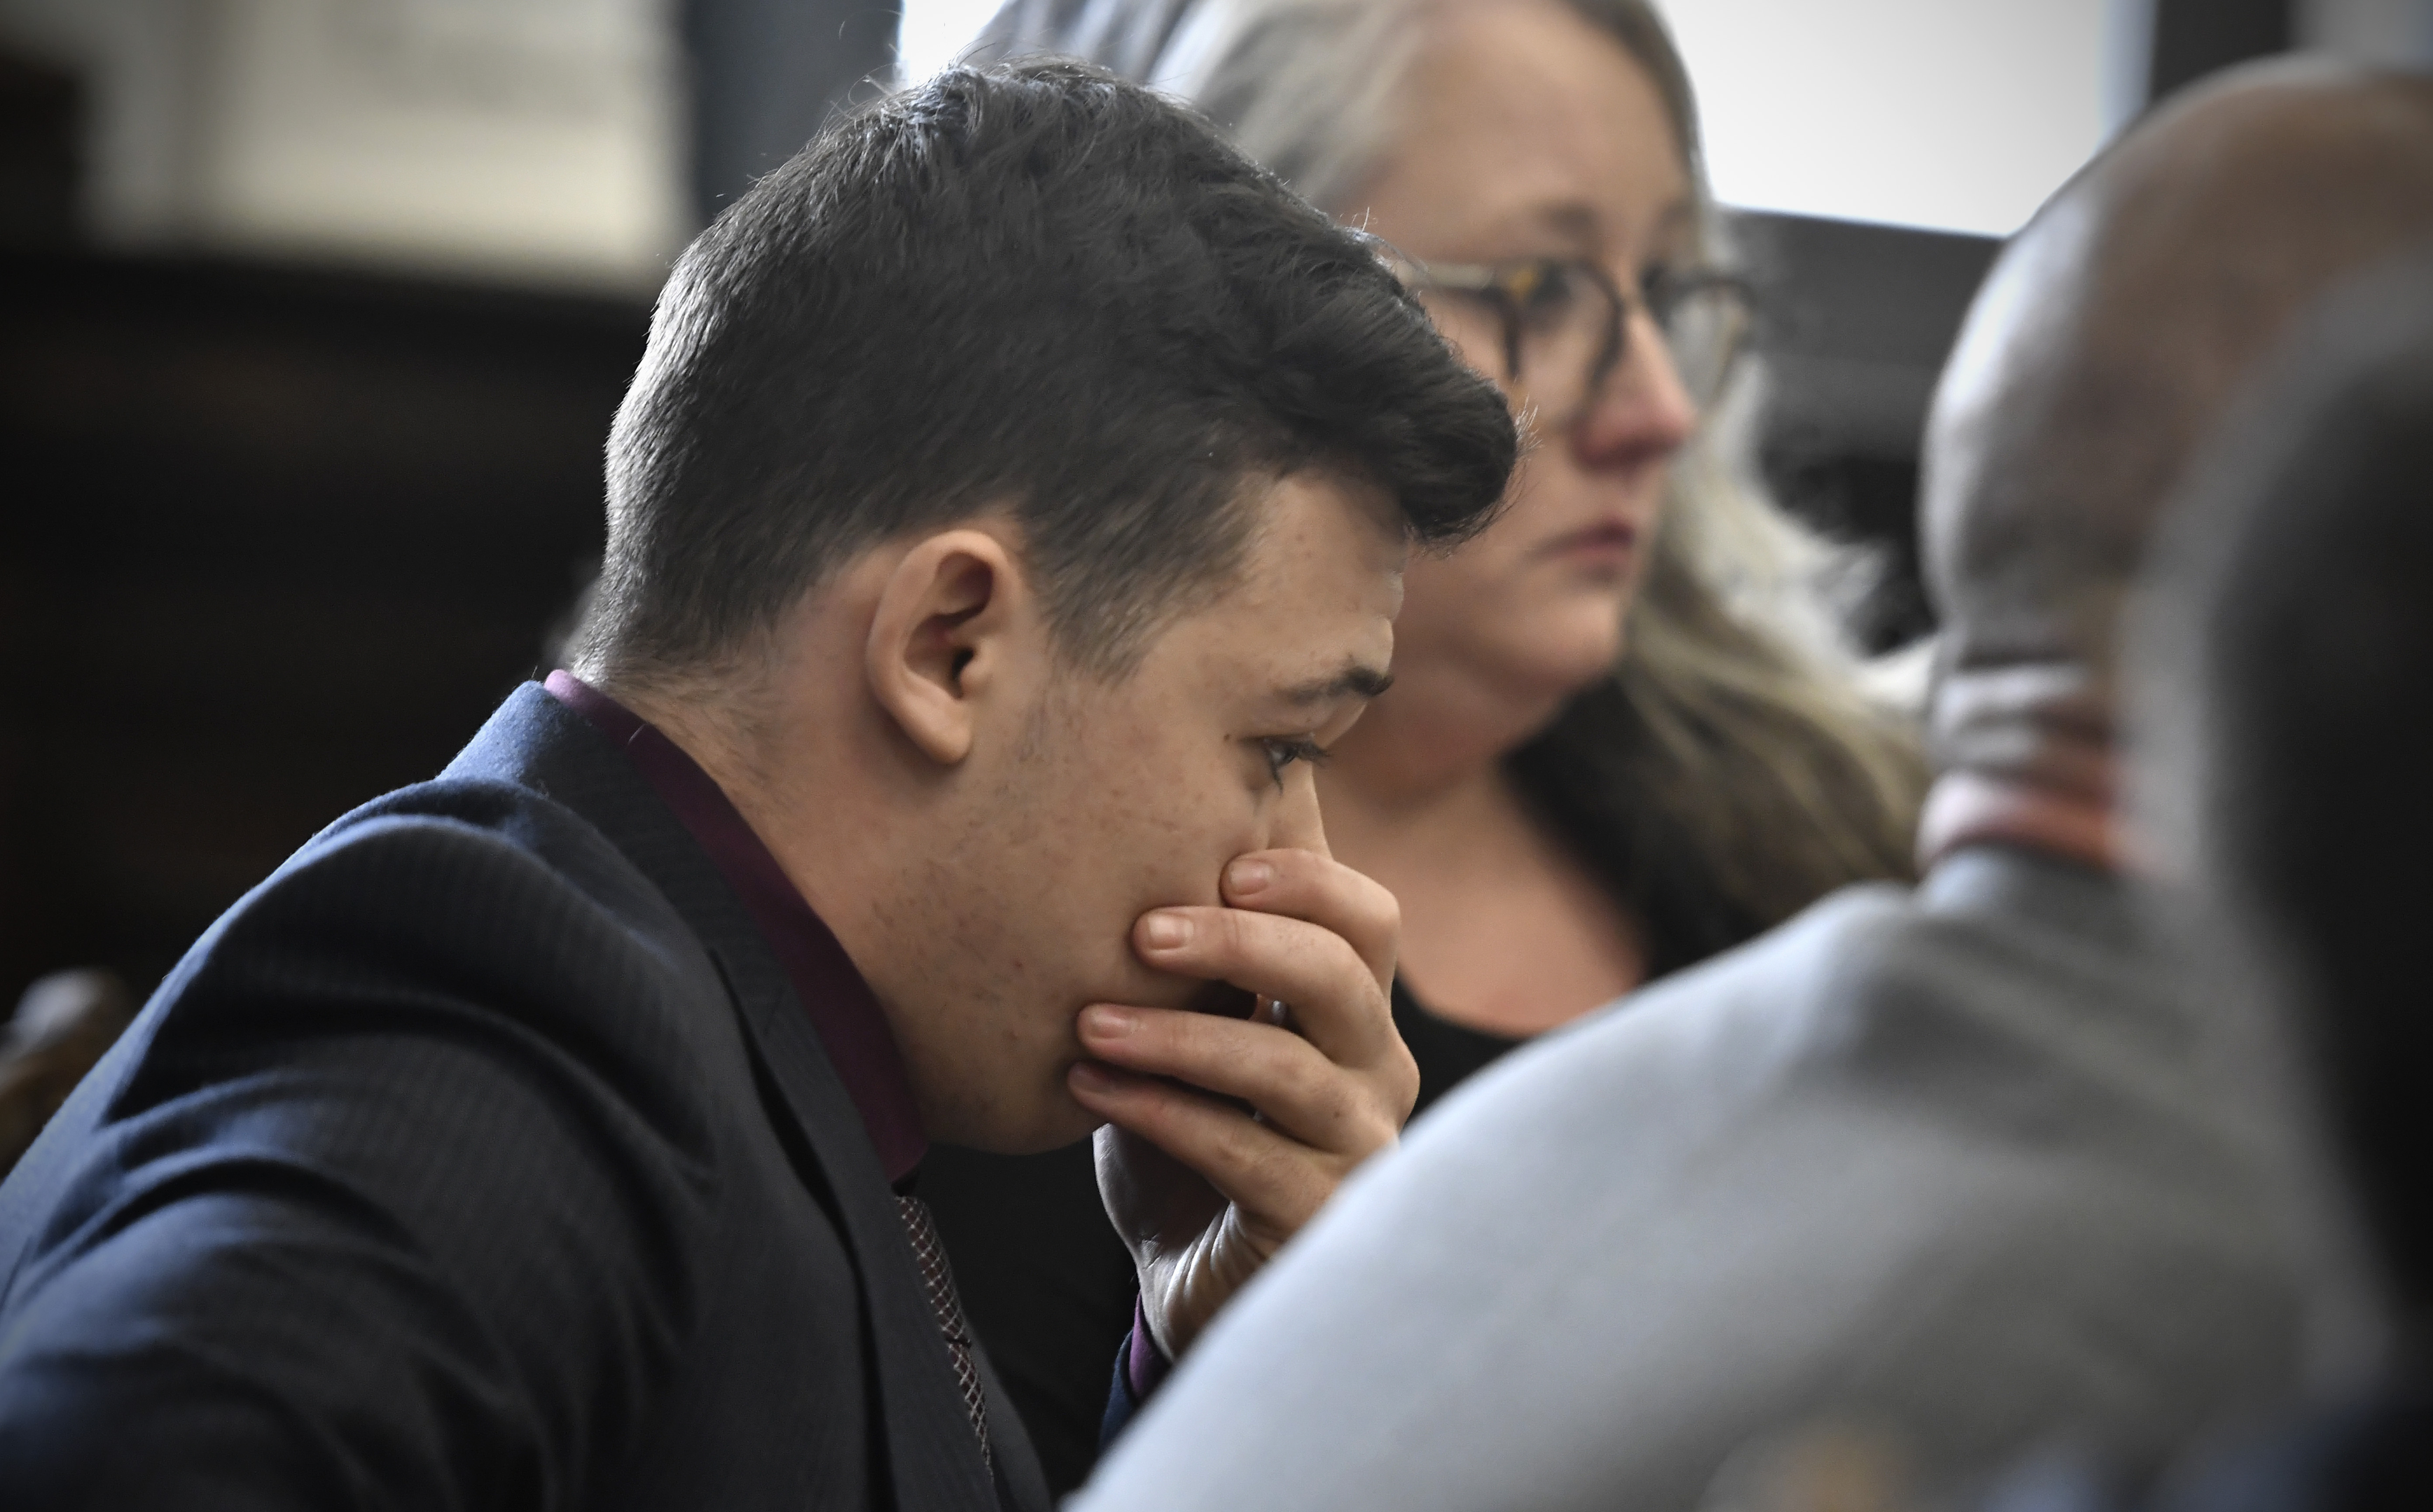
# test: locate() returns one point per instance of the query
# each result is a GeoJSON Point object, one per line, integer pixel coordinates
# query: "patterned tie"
{"type": "Point", "coordinates": [938, 1281]}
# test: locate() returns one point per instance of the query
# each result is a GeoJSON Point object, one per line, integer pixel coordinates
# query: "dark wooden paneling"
{"type": "Point", "coordinates": [273, 542]}
{"type": "Point", "coordinates": [1860, 318]}
{"type": "Point", "coordinates": [2193, 38]}
{"type": "Point", "coordinates": [42, 112]}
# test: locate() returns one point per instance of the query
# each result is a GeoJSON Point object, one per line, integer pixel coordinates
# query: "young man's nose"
{"type": "Point", "coordinates": [1642, 412]}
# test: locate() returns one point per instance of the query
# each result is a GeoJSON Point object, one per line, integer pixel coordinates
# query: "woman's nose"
{"type": "Point", "coordinates": [1643, 411]}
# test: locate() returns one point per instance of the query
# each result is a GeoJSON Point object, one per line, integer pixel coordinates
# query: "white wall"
{"type": "Point", "coordinates": [1956, 114]}
{"type": "Point", "coordinates": [935, 31]}
{"type": "Point", "coordinates": [1962, 114]}
{"type": "Point", "coordinates": [541, 141]}
{"type": "Point", "coordinates": [525, 141]}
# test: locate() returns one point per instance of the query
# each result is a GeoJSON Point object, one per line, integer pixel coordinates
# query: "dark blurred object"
{"type": "Point", "coordinates": [2367, 1455]}
{"type": "Point", "coordinates": [2284, 735]}
{"type": "Point", "coordinates": [2193, 38]}
{"type": "Point", "coordinates": [766, 74]}
{"type": "Point", "coordinates": [276, 542]}
{"type": "Point", "coordinates": [2159, 45]}
{"type": "Point", "coordinates": [1858, 320]}
{"type": "Point", "coordinates": [2370, 1455]}
{"type": "Point", "coordinates": [2288, 643]}
{"type": "Point", "coordinates": [41, 112]}
{"type": "Point", "coordinates": [63, 1025]}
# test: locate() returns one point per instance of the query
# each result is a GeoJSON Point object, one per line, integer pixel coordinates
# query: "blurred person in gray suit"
{"type": "Point", "coordinates": [1977, 1163]}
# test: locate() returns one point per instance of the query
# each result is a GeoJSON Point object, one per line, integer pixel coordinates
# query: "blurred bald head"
{"type": "Point", "coordinates": [2107, 341]}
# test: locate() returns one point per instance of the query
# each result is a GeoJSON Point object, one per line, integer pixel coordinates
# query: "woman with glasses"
{"type": "Point", "coordinates": [1622, 734]}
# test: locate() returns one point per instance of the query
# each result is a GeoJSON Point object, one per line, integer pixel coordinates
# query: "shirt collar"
{"type": "Point", "coordinates": [851, 1025]}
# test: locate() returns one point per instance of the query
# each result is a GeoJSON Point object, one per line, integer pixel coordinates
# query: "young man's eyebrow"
{"type": "Point", "coordinates": [1355, 681]}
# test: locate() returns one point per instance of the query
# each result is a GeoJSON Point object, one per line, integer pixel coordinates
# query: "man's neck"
{"type": "Point", "coordinates": [2029, 761]}
{"type": "Point", "coordinates": [707, 727]}
{"type": "Point", "coordinates": [1967, 807]}
{"type": "Point", "coordinates": [690, 724]}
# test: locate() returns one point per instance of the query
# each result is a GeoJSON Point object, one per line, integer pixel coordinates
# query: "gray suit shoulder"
{"type": "Point", "coordinates": [2009, 993]}
{"type": "Point", "coordinates": [1952, 1161]}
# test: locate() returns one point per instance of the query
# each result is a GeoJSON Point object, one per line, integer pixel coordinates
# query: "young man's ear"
{"type": "Point", "coordinates": [952, 618]}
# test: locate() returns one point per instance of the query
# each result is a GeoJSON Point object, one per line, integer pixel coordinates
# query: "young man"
{"type": "Point", "coordinates": [1010, 503]}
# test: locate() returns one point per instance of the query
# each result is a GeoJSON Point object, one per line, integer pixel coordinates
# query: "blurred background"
{"type": "Point", "coordinates": [317, 311]}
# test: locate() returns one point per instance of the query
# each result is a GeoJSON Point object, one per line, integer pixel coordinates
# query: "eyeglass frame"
{"type": "Point", "coordinates": [1486, 281]}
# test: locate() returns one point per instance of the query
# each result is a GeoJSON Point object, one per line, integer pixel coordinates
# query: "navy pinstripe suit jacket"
{"type": "Point", "coordinates": [481, 1156]}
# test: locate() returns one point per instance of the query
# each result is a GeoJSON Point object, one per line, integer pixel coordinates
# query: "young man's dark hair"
{"type": "Point", "coordinates": [1040, 288]}
{"type": "Point", "coordinates": [1012, 504]}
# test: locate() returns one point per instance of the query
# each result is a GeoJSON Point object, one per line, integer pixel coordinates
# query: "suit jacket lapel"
{"type": "Point", "coordinates": [931, 1457]}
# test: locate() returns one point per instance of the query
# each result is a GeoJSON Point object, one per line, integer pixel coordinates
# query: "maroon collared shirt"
{"type": "Point", "coordinates": [851, 1025]}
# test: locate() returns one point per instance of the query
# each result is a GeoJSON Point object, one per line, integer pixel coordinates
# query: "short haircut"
{"type": "Point", "coordinates": [1033, 288]}
{"type": "Point", "coordinates": [2285, 657]}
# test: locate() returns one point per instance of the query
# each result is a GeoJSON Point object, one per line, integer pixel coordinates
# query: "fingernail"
{"type": "Point", "coordinates": [1107, 1023]}
{"type": "Point", "coordinates": [1166, 931]}
{"type": "Point", "coordinates": [1248, 877]}
{"type": "Point", "coordinates": [1089, 1076]}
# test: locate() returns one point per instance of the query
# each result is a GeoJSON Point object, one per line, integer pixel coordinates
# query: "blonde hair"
{"type": "Point", "coordinates": [1734, 726]}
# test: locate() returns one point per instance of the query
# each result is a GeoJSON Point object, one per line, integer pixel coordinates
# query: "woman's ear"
{"type": "Point", "coordinates": [952, 618]}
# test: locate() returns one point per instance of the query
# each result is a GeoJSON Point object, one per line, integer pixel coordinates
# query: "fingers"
{"type": "Point", "coordinates": [1297, 927]}
{"type": "Point", "coordinates": [1275, 1182]}
{"type": "Point", "coordinates": [1335, 1000]}
{"type": "Point", "coordinates": [1339, 1111]}
{"type": "Point", "coordinates": [1300, 884]}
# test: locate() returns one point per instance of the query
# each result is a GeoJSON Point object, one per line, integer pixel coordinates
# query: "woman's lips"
{"type": "Point", "coordinates": [1611, 539]}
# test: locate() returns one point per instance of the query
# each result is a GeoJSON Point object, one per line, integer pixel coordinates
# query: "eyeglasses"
{"type": "Point", "coordinates": [1565, 326]}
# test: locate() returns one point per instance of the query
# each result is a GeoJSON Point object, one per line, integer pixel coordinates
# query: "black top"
{"type": "Point", "coordinates": [1448, 1053]}
{"type": "Point", "coordinates": [484, 1156]}
{"type": "Point", "coordinates": [1046, 1284]}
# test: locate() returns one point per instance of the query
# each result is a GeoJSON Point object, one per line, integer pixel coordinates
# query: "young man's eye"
{"type": "Point", "coordinates": [1282, 750]}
